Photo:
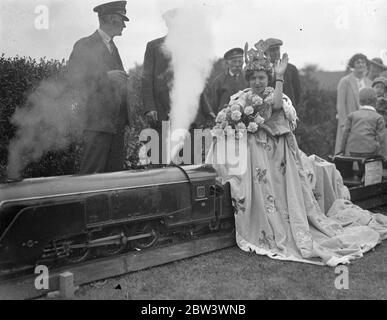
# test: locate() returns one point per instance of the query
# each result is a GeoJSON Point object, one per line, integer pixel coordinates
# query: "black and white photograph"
{"type": "Point", "coordinates": [215, 152]}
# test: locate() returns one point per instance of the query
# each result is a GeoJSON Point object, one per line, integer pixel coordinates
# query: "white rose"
{"type": "Point", "coordinates": [220, 117]}
{"type": "Point", "coordinates": [249, 110]}
{"type": "Point", "coordinates": [235, 107]}
{"type": "Point", "coordinates": [229, 131]}
{"type": "Point", "coordinates": [236, 115]}
{"type": "Point", "coordinates": [253, 127]}
{"type": "Point", "coordinates": [249, 94]}
{"type": "Point", "coordinates": [258, 119]}
{"type": "Point", "coordinates": [268, 91]}
{"type": "Point", "coordinates": [257, 100]}
{"type": "Point", "coordinates": [241, 126]}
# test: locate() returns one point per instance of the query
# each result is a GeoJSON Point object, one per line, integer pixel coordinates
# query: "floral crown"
{"type": "Point", "coordinates": [256, 59]}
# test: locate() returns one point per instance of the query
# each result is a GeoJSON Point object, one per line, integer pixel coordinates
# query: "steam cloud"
{"type": "Point", "coordinates": [190, 44]}
{"type": "Point", "coordinates": [49, 121]}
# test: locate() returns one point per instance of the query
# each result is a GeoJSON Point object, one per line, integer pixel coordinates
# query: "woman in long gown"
{"type": "Point", "coordinates": [276, 211]}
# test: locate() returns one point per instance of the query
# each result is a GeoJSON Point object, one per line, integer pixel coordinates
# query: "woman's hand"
{"type": "Point", "coordinates": [281, 65]}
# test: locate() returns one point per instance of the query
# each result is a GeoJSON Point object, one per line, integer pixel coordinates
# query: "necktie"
{"type": "Point", "coordinates": [114, 52]}
{"type": "Point", "coordinates": [113, 46]}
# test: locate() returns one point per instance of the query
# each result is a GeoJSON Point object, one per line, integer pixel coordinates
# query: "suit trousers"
{"type": "Point", "coordinates": [102, 152]}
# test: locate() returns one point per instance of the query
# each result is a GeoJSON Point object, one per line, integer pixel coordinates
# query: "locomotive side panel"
{"type": "Point", "coordinates": [97, 208]}
{"type": "Point", "coordinates": [33, 227]}
{"type": "Point", "coordinates": [149, 201]}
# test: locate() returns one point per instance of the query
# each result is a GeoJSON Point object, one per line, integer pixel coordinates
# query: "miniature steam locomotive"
{"type": "Point", "coordinates": [49, 219]}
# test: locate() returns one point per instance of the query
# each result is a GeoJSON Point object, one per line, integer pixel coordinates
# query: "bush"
{"type": "Point", "coordinates": [316, 132]}
{"type": "Point", "coordinates": [20, 76]}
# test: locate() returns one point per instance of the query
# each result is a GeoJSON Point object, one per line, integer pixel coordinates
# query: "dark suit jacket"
{"type": "Point", "coordinates": [106, 106]}
{"type": "Point", "coordinates": [157, 82]}
{"type": "Point", "coordinates": [222, 88]}
{"type": "Point", "coordinates": [292, 86]}
{"type": "Point", "coordinates": [157, 79]}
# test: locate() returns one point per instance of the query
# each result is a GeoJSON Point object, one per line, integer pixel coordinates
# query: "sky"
{"type": "Point", "coordinates": [322, 32]}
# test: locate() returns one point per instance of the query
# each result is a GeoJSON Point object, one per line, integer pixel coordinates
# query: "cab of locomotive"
{"type": "Point", "coordinates": [211, 201]}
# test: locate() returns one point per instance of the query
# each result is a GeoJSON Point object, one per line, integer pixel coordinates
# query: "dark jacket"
{"type": "Point", "coordinates": [292, 86]}
{"type": "Point", "coordinates": [222, 88]}
{"type": "Point", "coordinates": [157, 79]}
{"type": "Point", "coordinates": [106, 105]}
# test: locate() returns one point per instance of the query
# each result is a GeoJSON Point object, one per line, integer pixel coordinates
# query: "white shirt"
{"type": "Point", "coordinates": [360, 83]}
{"type": "Point", "coordinates": [106, 39]}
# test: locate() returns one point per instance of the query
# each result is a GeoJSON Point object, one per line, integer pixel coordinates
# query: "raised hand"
{"type": "Point", "coordinates": [281, 65]}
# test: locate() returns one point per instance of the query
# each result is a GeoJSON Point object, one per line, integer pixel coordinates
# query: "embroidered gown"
{"type": "Point", "coordinates": [276, 211]}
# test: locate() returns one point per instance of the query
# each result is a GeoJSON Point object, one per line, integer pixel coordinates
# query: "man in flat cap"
{"type": "Point", "coordinates": [292, 87]}
{"type": "Point", "coordinates": [376, 67]}
{"type": "Point", "coordinates": [228, 83]}
{"type": "Point", "coordinates": [96, 71]}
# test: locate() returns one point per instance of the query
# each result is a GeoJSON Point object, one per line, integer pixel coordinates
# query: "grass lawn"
{"type": "Point", "coordinates": [234, 274]}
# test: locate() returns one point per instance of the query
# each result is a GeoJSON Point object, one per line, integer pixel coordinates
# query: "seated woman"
{"type": "Point", "coordinates": [276, 212]}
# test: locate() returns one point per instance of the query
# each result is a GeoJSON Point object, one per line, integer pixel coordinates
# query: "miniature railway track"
{"type": "Point", "coordinates": [94, 270]}
{"type": "Point", "coordinates": [22, 287]}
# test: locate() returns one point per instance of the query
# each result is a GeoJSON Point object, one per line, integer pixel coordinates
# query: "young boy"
{"type": "Point", "coordinates": [364, 129]}
{"type": "Point", "coordinates": [380, 87]}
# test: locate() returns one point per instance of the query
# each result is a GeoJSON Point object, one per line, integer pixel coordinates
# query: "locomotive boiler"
{"type": "Point", "coordinates": [46, 220]}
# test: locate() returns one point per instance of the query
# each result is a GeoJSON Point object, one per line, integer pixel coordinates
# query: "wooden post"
{"type": "Point", "coordinates": [66, 287]}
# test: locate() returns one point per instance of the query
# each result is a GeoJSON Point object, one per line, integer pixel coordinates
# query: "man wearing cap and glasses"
{"type": "Point", "coordinates": [97, 73]}
{"type": "Point", "coordinates": [292, 87]}
{"type": "Point", "coordinates": [228, 83]}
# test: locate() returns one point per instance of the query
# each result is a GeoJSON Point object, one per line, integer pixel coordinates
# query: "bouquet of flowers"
{"type": "Point", "coordinates": [245, 112]}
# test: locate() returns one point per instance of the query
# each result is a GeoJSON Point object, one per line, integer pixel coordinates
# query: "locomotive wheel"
{"type": "Point", "coordinates": [145, 243]}
{"type": "Point", "coordinates": [113, 249]}
{"type": "Point", "coordinates": [79, 254]}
